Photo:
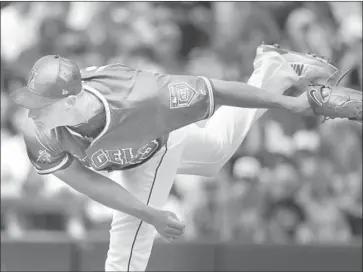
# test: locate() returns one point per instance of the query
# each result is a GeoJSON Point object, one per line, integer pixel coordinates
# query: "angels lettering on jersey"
{"type": "Point", "coordinates": [125, 157]}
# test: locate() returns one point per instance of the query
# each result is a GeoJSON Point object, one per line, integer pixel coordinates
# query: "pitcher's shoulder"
{"type": "Point", "coordinates": [35, 138]}
{"type": "Point", "coordinates": [106, 70]}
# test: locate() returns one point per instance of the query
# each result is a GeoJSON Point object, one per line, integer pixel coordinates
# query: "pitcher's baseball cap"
{"type": "Point", "coordinates": [52, 78]}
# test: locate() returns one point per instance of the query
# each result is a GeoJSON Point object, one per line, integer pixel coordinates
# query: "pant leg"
{"type": "Point", "coordinates": [131, 240]}
{"type": "Point", "coordinates": [208, 149]}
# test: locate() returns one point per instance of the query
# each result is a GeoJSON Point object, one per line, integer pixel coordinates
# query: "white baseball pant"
{"type": "Point", "coordinates": [190, 150]}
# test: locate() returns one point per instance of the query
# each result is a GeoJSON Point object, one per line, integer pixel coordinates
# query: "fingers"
{"type": "Point", "coordinates": [172, 231]}
{"type": "Point", "coordinates": [172, 238]}
{"type": "Point", "coordinates": [169, 226]}
{"type": "Point", "coordinates": [176, 224]}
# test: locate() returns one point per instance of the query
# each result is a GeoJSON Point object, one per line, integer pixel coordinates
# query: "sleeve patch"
{"type": "Point", "coordinates": [43, 156]}
{"type": "Point", "coordinates": [181, 95]}
{"type": "Point", "coordinates": [61, 164]}
{"type": "Point", "coordinates": [44, 151]}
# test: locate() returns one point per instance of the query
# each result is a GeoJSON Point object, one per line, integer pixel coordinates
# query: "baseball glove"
{"type": "Point", "coordinates": [335, 102]}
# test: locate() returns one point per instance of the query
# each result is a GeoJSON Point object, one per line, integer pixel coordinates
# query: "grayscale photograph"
{"type": "Point", "coordinates": [181, 136]}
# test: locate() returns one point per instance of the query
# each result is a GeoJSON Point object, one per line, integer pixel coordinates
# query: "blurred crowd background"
{"type": "Point", "coordinates": [293, 179]}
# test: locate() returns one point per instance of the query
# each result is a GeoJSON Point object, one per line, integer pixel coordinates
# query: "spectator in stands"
{"type": "Point", "coordinates": [325, 221]}
{"type": "Point", "coordinates": [284, 220]}
{"type": "Point", "coordinates": [246, 200]}
{"type": "Point", "coordinates": [207, 215]}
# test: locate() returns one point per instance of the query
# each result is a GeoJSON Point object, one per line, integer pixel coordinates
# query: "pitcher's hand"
{"type": "Point", "coordinates": [168, 225]}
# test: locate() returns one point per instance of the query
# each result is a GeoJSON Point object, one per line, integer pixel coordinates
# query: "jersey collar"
{"type": "Point", "coordinates": [107, 111]}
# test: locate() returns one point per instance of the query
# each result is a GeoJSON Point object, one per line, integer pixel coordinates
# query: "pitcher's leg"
{"type": "Point", "coordinates": [131, 240]}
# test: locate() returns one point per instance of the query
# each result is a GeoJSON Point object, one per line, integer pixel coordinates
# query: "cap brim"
{"type": "Point", "coordinates": [29, 100]}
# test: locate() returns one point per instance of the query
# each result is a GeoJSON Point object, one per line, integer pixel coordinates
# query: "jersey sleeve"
{"type": "Point", "coordinates": [192, 94]}
{"type": "Point", "coordinates": [181, 99]}
{"type": "Point", "coordinates": [184, 99]}
{"type": "Point", "coordinates": [44, 151]}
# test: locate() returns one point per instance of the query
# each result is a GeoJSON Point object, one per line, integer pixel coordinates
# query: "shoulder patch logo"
{"type": "Point", "coordinates": [44, 156]}
{"type": "Point", "coordinates": [181, 95]}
